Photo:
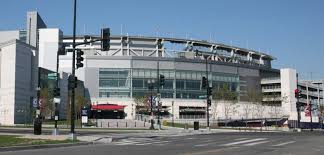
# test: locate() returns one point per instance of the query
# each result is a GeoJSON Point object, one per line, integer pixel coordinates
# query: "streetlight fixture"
{"type": "Point", "coordinates": [151, 83]}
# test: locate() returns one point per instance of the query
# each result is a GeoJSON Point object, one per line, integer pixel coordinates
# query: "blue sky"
{"type": "Point", "coordinates": [290, 30]}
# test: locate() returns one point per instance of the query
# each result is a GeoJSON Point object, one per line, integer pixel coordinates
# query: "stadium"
{"type": "Point", "coordinates": [121, 82]}
{"type": "Point", "coordinates": [123, 73]}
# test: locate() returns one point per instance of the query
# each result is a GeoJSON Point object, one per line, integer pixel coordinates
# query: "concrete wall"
{"type": "Point", "coordinates": [8, 35]}
{"type": "Point", "coordinates": [17, 82]}
{"type": "Point", "coordinates": [49, 43]}
{"type": "Point", "coordinates": [33, 23]}
{"type": "Point", "coordinates": [288, 85]}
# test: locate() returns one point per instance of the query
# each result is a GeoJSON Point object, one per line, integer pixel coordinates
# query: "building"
{"type": "Point", "coordinates": [18, 82]}
{"type": "Point", "coordinates": [119, 75]}
{"type": "Point", "coordinates": [20, 62]}
{"type": "Point", "coordinates": [113, 80]}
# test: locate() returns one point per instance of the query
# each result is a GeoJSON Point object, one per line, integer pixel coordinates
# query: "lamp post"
{"type": "Point", "coordinates": [151, 87]}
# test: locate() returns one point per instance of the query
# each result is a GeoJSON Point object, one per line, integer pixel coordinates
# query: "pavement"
{"type": "Point", "coordinates": [222, 143]}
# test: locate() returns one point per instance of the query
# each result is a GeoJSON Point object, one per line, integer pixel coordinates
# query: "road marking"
{"type": "Point", "coordinates": [285, 143]}
{"type": "Point", "coordinates": [241, 139]}
{"type": "Point", "coordinates": [255, 143]}
{"type": "Point", "coordinates": [210, 151]}
{"type": "Point", "coordinates": [244, 141]}
{"type": "Point", "coordinates": [158, 142]}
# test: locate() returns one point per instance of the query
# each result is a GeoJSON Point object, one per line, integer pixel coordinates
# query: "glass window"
{"type": "Point", "coordinates": [137, 83]}
{"type": "Point", "coordinates": [168, 84]}
{"type": "Point", "coordinates": [180, 84]}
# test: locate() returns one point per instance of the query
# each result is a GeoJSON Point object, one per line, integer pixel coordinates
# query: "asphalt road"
{"type": "Point", "coordinates": [48, 131]}
{"type": "Point", "coordinates": [221, 143]}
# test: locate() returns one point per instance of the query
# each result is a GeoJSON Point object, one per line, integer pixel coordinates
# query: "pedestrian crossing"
{"type": "Point", "coordinates": [239, 142]}
{"type": "Point", "coordinates": [141, 141]}
{"type": "Point", "coordinates": [257, 141]}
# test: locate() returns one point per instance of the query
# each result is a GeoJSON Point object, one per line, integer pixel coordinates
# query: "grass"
{"type": "Point", "coordinates": [9, 140]}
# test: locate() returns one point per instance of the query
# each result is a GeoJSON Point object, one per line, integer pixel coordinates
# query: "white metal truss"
{"type": "Point", "coordinates": [156, 47]}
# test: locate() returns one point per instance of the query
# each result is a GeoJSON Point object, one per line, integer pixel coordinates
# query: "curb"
{"type": "Point", "coordinates": [42, 146]}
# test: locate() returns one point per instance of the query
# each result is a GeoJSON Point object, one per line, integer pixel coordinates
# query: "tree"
{"type": "Point", "coordinates": [81, 101]}
{"type": "Point", "coordinates": [229, 97]}
{"type": "Point", "coordinates": [47, 106]}
{"type": "Point", "coordinates": [142, 104]}
{"type": "Point", "coordinates": [255, 99]}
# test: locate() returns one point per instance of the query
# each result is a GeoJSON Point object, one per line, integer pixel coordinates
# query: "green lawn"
{"type": "Point", "coordinates": [8, 140]}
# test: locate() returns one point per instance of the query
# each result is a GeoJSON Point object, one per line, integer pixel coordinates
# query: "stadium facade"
{"type": "Point", "coordinates": [115, 78]}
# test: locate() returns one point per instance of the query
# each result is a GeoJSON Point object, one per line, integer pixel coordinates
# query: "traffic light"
{"type": "Point", "coordinates": [79, 58]}
{"type": "Point", "coordinates": [57, 92]}
{"type": "Point", "coordinates": [162, 80]}
{"type": "Point", "coordinates": [105, 39]}
{"type": "Point", "coordinates": [73, 82]}
{"type": "Point", "coordinates": [209, 91]}
{"type": "Point", "coordinates": [209, 102]}
{"type": "Point", "coordinates": [204, 82]}
{"type": "Point", "coordinates": [297, 93]}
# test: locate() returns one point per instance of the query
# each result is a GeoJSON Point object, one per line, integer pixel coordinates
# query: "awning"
{"type": "Point", "coordinates": [107, 107]}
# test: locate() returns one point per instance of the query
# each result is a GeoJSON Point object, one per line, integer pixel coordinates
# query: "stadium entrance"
{"type": "Point", "coordinates": [107, 111]}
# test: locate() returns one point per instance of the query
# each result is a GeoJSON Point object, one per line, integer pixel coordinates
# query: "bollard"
{"type": "Point", "coordinates": [117, 124]}
{"type": "Point", "coordinates": [126, 124]}
{"type": "Point", "coordinates": [108, 124]}
{"type": "Point", "coordinates": [144, 124]}
{"type": "Point", "coordinates": [135, 124]}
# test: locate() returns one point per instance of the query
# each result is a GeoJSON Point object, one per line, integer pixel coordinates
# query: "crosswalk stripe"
{"type": "Point", "coordinates": [139, 142]}
{"type": "Point", "coordinates": [244, 141]}
{"type": "Point", "coordinates": [255, 143]}
{"type": "Point", "coordinates": [159, 142]}
{"type": "Point", "coordinates": [241, 139]}
{"type": "Point", "coordinates": [285, 143]}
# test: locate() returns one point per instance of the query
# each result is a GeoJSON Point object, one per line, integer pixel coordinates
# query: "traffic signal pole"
{"type": "Point", "coordinates": [72, 132]}
{"type": "Point", "coordinates": [158, 91]}
{"type": "Point", "coordinates": [207, 93]}
{"type": "Point", "coordinates": [298, 106]}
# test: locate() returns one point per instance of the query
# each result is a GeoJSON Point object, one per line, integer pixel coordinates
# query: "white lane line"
{"type": "Point", "coordinates": [244, 141]}
{"type": "Point", "coordinates": [285, 143]}
{"type": "Point", "coordinates": [241, 139]}
{"type": "Point", "coordinates": [159, 142]}
{"type": "Point", "coordinates": [255, 143]}
{"type": "Point", "coordinates": [126, 142]}
{"type": "Point", "coordinates": [200, 145]}
{"type": "Point", "coordinates": [205, 143]}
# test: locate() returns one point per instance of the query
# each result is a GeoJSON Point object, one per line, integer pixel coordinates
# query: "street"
{"type": "Point", "coordinates": [220, 143]}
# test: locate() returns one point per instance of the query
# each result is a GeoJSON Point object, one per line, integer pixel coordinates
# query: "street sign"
{"type": "Point", "coordinates": [57, 100]}
{"type": "Point", "coordinates": [84, 119]}
{"type": "Point", "coordinates": [35, 103]}
{"type": "Point", "coordinates": [51, 76]}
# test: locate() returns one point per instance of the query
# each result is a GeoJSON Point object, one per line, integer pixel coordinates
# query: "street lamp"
{"type": "Point", "coordinates": [151, 83]}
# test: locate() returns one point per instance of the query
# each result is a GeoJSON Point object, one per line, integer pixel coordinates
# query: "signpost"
{"type": "Point", "coordinates": [52, 76]}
